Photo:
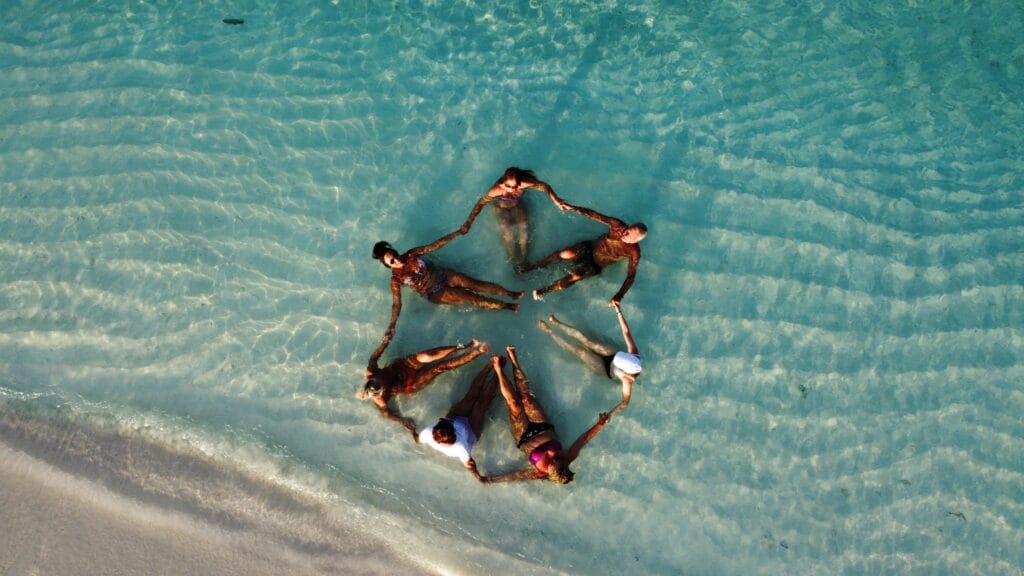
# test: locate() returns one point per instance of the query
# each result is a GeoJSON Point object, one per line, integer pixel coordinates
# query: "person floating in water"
{"type": "Point", "coordinates": [590, 257]}
{"type": "Point", "coordinates": [532, 432]}
{"type": "Point", "coordinates": [411, 374]}
{"type": "Point", "coordinates": [506, 195]}
{"type": "Point", "coordinates": [602, 358]}
{"type": "Point", "coordinates": [437, 284]}
{"type": "Point", "coordinates": [457, 433]}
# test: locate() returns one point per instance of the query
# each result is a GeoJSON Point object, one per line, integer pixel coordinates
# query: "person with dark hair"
{"type": "Point", "coordinates": [590, 257]}
{"type": "Point", "coordinates": [457, 433]}
{"type": "Point", "coordinates": [602, 358]}
{"type": "Point", "coordinates": [435, 283]}
{"type": "Point", "coordinates": [532, 432]}
{"type": "Point", "coordinates": [411, 374]}
{"type": "Point", "coordinates": [506, 195]}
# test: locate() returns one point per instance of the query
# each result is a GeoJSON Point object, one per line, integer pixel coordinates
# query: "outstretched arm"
{"type": "Point", "coordinates": [396, 308]}
{"type": "Point", "coordinates": [592, 214]}
{"type": "Point", "coordinates": [631, 346]}
{"type": "Point", "coordinates": [587, 436]}
{"type": "Point", "coordinates": [547, 189]}
{"type": "Point", "coordinates": [436, 244]}
{"type": "Point", "coordinates": [408, 423]}
{"type": "Point", "coordinates": [634, 261]}
{"type": "Point", "coordinates": [476, 211]}
{"type": "Point", "coordinates": [627, 391]}
{"type": "Point", "coordinates": [531, 474]}
{"type": "Point", "coordinates": [471, 466]}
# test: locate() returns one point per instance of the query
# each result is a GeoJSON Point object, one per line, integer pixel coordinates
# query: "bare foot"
{"type": "Point", "coordinates": [552, 318]}
{"type": "Point", "coordinates": [517, 295]}
{"type": "Point", "coordinates": [497, 361]}
{"type": "Point", "coordinates": [543, 326]}
{"type": "Point", "coordinates": [514, 307]}
{"type": "Point", "coordinates": [484, 347]}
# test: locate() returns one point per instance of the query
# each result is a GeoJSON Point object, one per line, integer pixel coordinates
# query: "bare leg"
{"type": "Point", "coordinates": [517, 420]}
{"type": "Point", "coordinates": [514, 232]}
{"type": "Point", "coordinates": [599, 347]}
{"type": "Point", "coordinates": [460, 280]}
{"type": "Point", "coordinates": [560, 284]}
{"type": "Point", "coordinates": [427, 374]}
{"type": "Point", "coordinates": [452, 295]}
{"type": "Point", "coordinates": [591, 359]}
{"type": "Point", "coordinates": [523, 238]}
{"type": "Point", "coordinates": [418, 359]}
{"type": "Point", "coordinates": [533, 409]}
{"type": "Point", "coordinates": [568, 253]}
{"type": "Point", "coordinates": [477, 400]}
{"type": "Point", "coordinates": [482, 404]}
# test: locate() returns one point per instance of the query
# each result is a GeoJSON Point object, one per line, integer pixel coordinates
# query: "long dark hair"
{"type": "Point", "coordinates": [519, 174]}
{"type": "Point", "coordinates": [381, 248]}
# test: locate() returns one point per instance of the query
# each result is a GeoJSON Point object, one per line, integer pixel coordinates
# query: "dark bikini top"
{"type": "Point", "coordinates": [414, 275]}
{"type": "Point", "coordinates": [507, 201]}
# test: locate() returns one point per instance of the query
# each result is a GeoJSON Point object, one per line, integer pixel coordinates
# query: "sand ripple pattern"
{"type": "Point", "coordinates": [831, 301]}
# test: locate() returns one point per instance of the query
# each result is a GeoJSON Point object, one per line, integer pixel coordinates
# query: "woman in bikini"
{"type": "Point", "coordinates": [602, 358]}
{"type": "Point", "coordinates": [506, 195]}
{"type": "Point", "coordinates": [457, 433]}
{"type": "Point", "coordinates": [534, 435]}
{"type": "Point", "coordinates": [411, 374]}
{"type": "Point", "coordinates": [437, 284]}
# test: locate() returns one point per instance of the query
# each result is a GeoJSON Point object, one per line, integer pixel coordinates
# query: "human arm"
{"type": "Point", "coordinates": [471, 466]}
{"type": "Point", "coordinates": [631, 346]}
{"type": "Point", "coordinates": [627, 391]}
{"type": "Point", "coordinates": [519, 475]}
{"type": "Point", "coordinates": [634, 262]}
{"type": "Point", "coordinates": [396, 309]}
{"type": "Point", "coordinates": [592, 214]}
{"type": "Point", "coordinates": [408, 423]}
{"type": "Point", "coordinates": [587, 436]}
{"type": "Point", "coordinates": [485, 200]}
{"type": "Point", "coordinates": [547, 189]}
{"type": "Point", "coordinates": [436, 244]}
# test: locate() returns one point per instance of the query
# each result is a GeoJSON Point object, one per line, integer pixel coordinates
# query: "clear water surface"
{"type": "Point", "coordinates": [830, 303]}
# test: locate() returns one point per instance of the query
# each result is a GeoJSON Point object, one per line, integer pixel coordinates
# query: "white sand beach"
{"type": "Point", "coordinates": [55, 522]}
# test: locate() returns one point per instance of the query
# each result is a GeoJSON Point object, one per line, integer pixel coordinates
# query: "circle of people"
{"type": "Point", "coordinates": [457, 432]}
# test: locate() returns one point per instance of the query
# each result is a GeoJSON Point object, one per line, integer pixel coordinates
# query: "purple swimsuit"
{"type": "Point", "coordinates": [539, 451]}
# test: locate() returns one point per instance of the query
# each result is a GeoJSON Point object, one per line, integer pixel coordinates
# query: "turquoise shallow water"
{"type": "Point", "coordinates": [830, 303]}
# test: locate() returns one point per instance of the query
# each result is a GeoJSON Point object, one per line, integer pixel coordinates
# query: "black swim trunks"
{"type": "Point", "coordinates": [583, 263]}
{"type": "Point", "coordinates": [532, 429]}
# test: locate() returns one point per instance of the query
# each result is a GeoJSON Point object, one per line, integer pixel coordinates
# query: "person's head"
{"type": "Point", "coordinates": [514, 177]}
{"type": "Point", "coordinates": [558, 471]}
{"type": "Point", "coordinates": [444, 431]}
{"type": "Point", "coordinates": [626, 364]}
{"type": "Point", "coordinates": [384, 252]}
{"type": "Point", "coordinates": [373, 388]}
{"type": "Point", "coordinates": [633, 234]}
